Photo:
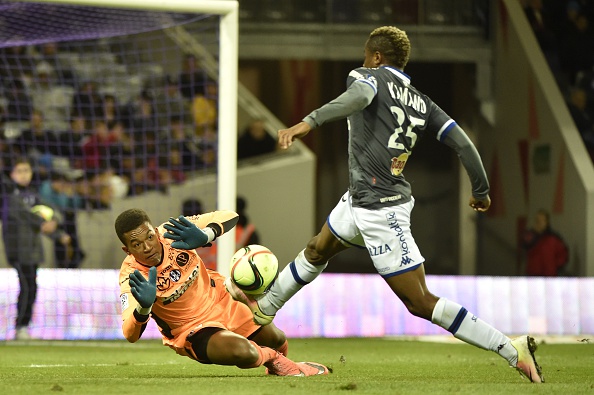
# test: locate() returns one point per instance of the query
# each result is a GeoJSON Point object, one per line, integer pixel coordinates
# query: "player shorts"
{"type": "Point", "coordinates": [384, 232]}
{"type": "Point", "coordinates": [226, 314]}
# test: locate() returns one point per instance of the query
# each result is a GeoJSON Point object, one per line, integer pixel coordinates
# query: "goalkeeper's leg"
{"type": "Point", "coordinates": [223, 347]}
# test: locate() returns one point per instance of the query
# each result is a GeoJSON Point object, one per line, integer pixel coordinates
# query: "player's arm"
{"type": "Point", "coordinates": [455, 138]}
{"type": "Point", "coordinates": [199, 230]}
{"type": "Point", "coordinates": [358, 95]}
{"type": "Point", "coordinates": [137, 301]}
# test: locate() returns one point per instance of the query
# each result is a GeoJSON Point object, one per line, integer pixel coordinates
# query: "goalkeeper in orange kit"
{"type": "Point", "coordinates": [164, 278]}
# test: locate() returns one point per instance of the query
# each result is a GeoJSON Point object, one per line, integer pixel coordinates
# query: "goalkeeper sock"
{"type": "Point", "coordinates": [470, 329]}
{"type": "Point", "coordinates": [290, 280]}
{"type": "Point", "coordinates": [265, 354]}
{"type": "Point", "coordinates": [284, 349]}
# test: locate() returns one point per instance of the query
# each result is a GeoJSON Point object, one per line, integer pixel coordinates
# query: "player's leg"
{"type": "Point", "coordinates": [27, 275]}
{"type": "Point", "coordinates": [337, 234]}
{"type": "Point", "coordinates": [411, 288]}
{"type": "Point", "coordinates": [271, 336]}
{"type": "Point", "coordinates": [397, 258]}
{"type": "Point", "coordinates": [213, 345]}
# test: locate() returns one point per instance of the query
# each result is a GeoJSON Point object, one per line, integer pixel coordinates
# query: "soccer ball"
{"type": "Point", "coordinates": [45, 212]}
{"type": "Point", "coordinates": [253, 269]}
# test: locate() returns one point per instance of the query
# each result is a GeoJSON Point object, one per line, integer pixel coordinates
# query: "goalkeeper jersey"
{"type": "Point", "coordinates": [186, 291]}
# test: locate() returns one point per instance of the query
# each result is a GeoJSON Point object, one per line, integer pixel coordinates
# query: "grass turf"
{"type": "Point", "coordinates": [361, 366]}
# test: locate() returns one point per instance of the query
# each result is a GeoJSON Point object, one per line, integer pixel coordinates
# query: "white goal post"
{"type": "Point", "coordinates": [227, 99]}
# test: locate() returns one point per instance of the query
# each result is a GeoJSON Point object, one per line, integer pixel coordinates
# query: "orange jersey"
{"type": "Point", "coordinates": [189, 296]}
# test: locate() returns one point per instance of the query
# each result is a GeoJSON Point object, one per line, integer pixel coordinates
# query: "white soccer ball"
{"type": "Point", "coordinates": [253, 269]}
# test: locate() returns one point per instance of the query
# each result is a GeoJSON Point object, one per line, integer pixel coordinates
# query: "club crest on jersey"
{"type": "Point", "coordinates": [398, 164]}
{"type": "Point", "coordinates": [163, 283]}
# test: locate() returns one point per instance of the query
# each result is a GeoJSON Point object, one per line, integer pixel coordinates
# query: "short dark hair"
{"type": "Point", "coordinates": [392, 43]}
{"type": "Point", "coordinates": [130, 220]}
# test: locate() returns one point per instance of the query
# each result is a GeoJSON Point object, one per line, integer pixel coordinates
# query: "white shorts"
{"type": "Point", "coordinates": [385, 233]}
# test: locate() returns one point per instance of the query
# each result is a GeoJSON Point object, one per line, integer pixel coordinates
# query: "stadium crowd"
{"type": "Point", "coordinates": [76, 130]}
{"type": "Point", "coordinates": [564, 31]}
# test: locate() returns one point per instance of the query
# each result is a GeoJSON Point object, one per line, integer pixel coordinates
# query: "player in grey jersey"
{"type": "Point", "coordinates": [386, 117]}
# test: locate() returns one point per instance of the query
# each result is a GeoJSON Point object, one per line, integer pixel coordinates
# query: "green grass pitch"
{"type": "Point", "coordinates": [361, 366]}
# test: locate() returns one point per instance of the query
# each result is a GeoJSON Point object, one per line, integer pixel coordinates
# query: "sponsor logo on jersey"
{"type": "Point", "coordinates": [175, 275]}
{"type": "Point", "coordinates": [124, 301]}
{"type": "Point", "coordinates": [398, 164]}
{"type": "Point", "coordinates": [166, 268]}
{"type": "Point", "coordinates": [395, 226]}
{"type": "Point", "coordinates": [390, 198]}
{"type": "Point", "coordinates": [181, 290]}
{"type": "Point", "coordinates": [182, 258]}
{"type": "Point", "coordinates": [379, 250]}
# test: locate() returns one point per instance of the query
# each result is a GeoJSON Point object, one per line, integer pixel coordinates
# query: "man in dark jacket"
{"type": "Point", "coordinates": [24, 219]}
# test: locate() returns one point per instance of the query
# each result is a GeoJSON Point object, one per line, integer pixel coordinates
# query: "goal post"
{"type": "Point", "coordinates": [228, 10]}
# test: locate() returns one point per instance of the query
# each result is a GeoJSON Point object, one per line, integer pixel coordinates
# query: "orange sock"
{"type": "Point", "coordinates": [284, 349]}
{"type": "Point", "coordinates": [265, 354]}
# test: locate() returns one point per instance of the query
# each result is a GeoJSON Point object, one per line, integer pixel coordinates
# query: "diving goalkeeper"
{"type": "Point", "coordinates": [163, 278]}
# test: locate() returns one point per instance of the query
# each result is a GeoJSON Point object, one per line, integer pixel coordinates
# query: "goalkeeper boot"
{"type": "Point", "coordinates": [259, 317]}
{"type": "Point", "coordinates": [526, 365]}
{"type": "Point", "coordinates": [283, 366]}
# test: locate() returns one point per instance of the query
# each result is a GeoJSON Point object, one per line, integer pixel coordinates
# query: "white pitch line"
{"type": "Point", "coordinates": [66, 365]}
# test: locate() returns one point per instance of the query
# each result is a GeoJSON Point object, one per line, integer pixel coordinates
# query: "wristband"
{"type": "Point", "coordinates": [143, 310]}
{"type": "Point", "coordinates": [210, 233]}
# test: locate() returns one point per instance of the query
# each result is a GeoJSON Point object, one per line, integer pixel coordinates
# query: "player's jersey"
{"type": "Point", "coordinates": [186, 293]}
{"type": "Point", "coordinates": [383, 135]}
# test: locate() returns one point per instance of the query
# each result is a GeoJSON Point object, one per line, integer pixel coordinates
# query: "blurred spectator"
{"type": "Point", "coordinates": [255, 140]}
{"type": "Point", "coordinates": [111, 110]}
{"type": "Point", "coordinates": [19, 103]}
{"type": "Point", "coordinates": [170, 103]}
{"type": "Point", "coordinates": [584, 121]}
{"type": "Point", "coordinates": [204, 112]}
{"type": "Point", "coordinates": [39, 144]}
{"type": "Point", "coordinates": [245, 231]}
{"type": "Point", "coordinates": [88, 102]}
{"type": "Point", "coordinates": [180, 139]}
{"type": "Point", "coordinates": [139, 115]}
{"type": "Point", "coordinates": [49, 53]}
{"type": "Point", "coordinates": [547, 253]}
{"type": "Point", "coordinates": [96, 148]}
{"type": "Point", "coordinates": [70, 142]}
{"type": "Point", "coordinates": [52, 99]}
{"type": "Point", "coordinates": [16, 64]}
{"type": "Point", "coordinates": [577, 52]}
{"type": "Point", "coordinates": [539, 18]}
{"type": "Point", "coordinates": [192, 207]}
{"type": "Point", "coordinates": [60, 191]}
{"type": "Point", "coordinates": [192, 79]}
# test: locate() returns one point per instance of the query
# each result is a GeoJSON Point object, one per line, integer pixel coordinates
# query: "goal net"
{"type": "Point", "coordinates": [117, 105]}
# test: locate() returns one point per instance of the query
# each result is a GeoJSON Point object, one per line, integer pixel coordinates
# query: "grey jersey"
{"type": "Point", "coordinates": [387, 116]}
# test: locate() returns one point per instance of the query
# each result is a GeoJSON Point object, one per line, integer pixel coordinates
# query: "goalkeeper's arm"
{"type": "Point", "coordinates": [199, 230]}
{"type": "Point", "coordinates": [144, 292]}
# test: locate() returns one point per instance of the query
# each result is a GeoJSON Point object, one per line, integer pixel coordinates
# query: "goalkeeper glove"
{"type": "Point", "coordinates": [144, 291]}
{"type": "Point", "coordinates": [187, 236]}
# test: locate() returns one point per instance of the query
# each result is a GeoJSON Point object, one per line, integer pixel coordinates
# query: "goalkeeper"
{"type": "Point", "coordinates": [164, 278]}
